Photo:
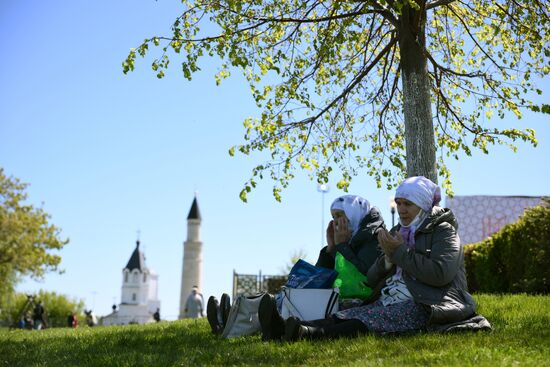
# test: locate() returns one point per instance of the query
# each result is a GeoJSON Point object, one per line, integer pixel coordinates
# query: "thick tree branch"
{"type": "Point", "coordinates": [366, 70]}
{"type": "Point", "coordinates": [317, 20]}
{"type": "Point", "coordinates": [438, 3]}
{"type": "Point", "coordinates": [394, 88]}
{"type": "Point", "coordinates": [303, 20]}
{"type": "Point", "coordinates": [209, 38]}
{"type": "Point", "coordinates": [356, 80]}
{"type": "Point", "coordinates": [447, 70]}
{"type": "Point", "coordinates": [388, 15]}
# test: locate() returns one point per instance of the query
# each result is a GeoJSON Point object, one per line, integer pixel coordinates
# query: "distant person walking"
{"type": "Point", "coordinates": [38, 316]}
{"type": "Point", "coordinates": [156, 315]}
{"type": "Point", "coordinates": [91, 319]}
{"type": "Point", "coordinates": [29, 322]}
{"type": "Point", "coordinates": [21, 323]}
{"type": "Point", "coordinates": [72, 320]}
{"type": "Point", "coordinates": [194, 306]}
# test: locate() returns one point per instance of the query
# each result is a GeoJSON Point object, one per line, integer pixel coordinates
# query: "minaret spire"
{"type": "Point", "coordinates": [194, 212]}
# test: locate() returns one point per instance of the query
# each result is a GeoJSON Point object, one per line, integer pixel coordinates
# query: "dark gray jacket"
{"type": "Point", "coordinates": [362, 250]}
{"type": "Point", "coordinates": [433, 272]}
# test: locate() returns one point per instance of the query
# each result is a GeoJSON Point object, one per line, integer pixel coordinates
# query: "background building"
{"type": "Point", "coordinates": [139, 299]}
{"type": "Point", "coordinates": [479, 216]}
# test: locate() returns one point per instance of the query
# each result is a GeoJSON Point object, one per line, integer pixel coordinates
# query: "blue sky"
{"type": "Point", "coordinates": [109, 154]}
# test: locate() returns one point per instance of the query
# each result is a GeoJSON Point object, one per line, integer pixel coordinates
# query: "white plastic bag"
{"type": "Point", "coordinates": [309, 304]}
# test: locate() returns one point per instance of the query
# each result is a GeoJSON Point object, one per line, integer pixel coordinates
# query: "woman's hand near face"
{"type": "Point", "coordinates": [389, 243]}
{"type": "Point", "coordinates": [330, 236]}
{"type": "Point", "coordinates": [342, 232]}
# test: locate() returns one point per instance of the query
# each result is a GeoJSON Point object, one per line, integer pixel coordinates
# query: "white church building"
{"type": "Point", "coordinates": [139, 299]}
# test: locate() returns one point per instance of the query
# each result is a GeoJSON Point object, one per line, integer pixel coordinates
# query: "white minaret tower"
{"type": "Point", "coordinates": [192, 256]}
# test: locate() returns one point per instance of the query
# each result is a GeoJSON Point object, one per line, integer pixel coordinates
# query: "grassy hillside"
{"type": "Point", "coordinates": [521, 336]}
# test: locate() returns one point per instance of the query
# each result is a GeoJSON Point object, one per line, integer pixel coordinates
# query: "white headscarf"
{"type": "Point", "coordinates": [423, 193]}
{"type": "Point", "coordinates": [355, 207]}
{"type": "Point", "coordinates": [420, 191]}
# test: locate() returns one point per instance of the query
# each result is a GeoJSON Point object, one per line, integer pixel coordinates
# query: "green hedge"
{"type": "Point", "coordinates": [515, 259]}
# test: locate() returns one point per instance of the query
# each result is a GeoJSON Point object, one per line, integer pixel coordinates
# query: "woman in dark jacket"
{"type": "Point", "coordinates": [419, 281]}
{"type": "Point", "coordinates": [352, 248]}
{"type": "Point", "coordinates": [352, 243]}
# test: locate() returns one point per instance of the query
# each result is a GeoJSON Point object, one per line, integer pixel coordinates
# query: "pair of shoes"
{"type": "Point", "coordinates": [294, 330]}
{"type": "Point", "coordinates": [213, 315]}
{"type": "Point", "coordinates": [271, 323]}
{"type": "Point", "coordinates": [217, 313]}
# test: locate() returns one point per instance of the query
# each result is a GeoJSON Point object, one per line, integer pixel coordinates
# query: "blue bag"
{"type": "Point", "coordinates": [305, 275]}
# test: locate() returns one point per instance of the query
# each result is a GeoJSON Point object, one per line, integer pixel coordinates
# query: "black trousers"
{"type": "Point", "coordinates": [334, 328]}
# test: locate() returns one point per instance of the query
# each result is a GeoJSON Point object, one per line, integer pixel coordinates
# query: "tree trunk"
{"type": "Point", "coordinates": [419, 130]}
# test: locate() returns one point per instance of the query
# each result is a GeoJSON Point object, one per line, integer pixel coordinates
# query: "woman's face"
{"type": "Point", "coordinates": [336, 214]}
{"type": "Point", "coordinates": [407, 210]}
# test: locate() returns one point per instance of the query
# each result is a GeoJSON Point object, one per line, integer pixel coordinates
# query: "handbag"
{"type": "Point", "coordinates": [243, 316]}
{"type": "Point", "coordinates": [309, 303]}
{"type": "Point", "coordinates": [305, 275]}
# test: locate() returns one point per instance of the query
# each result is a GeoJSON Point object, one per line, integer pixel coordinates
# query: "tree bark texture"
{"type": "Point", "coordinates": [419, 129]}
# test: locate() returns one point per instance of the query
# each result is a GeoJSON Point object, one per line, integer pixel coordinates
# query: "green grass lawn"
{"type": "Point", "coordinates": [521, 337]}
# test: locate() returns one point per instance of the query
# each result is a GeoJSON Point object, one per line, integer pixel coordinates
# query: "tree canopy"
{"type": "Point", "coordinates": [26, 237]}
{"type": "Point", "coordinates": [384, 87]}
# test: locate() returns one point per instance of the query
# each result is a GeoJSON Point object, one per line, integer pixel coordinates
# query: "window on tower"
{"type": "Point", "coordinates": [125, 277]}
{"type": "Point", "coordinates": [144, 277]}
{"type": "Point", "coordinates": [133, 297]}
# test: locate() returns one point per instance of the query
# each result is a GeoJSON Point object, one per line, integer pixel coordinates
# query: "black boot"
{"type": "Point", "coordinates": [323, 329]}
{"type": "Point", "coordinates": [213, 315]}
{"type": "Point", "coordinates": [295, 330]}
{"type": "Point", "coordinates": [225, 307]}
{"type": "Point", "coordinates": [319, 322]}
{"type": "Point", "coordinates": [272, 324]}
{"type": "Point", "coordinates": [345, 329]}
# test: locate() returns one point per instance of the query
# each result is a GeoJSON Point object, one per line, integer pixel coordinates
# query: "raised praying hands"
{"type": "Point", "coordinates": [338, 231]}
{"type": "Point", "coordinates": [389, 243]}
